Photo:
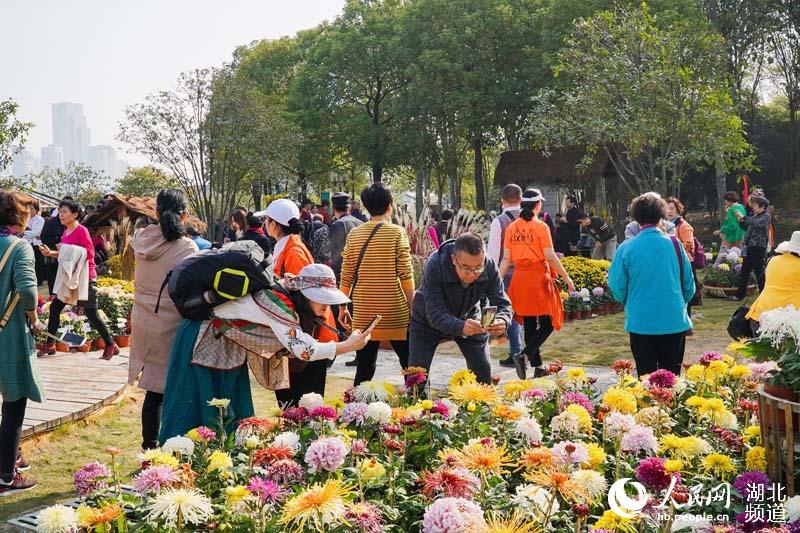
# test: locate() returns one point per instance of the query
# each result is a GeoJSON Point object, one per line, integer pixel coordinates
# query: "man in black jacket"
{"type": "Point", "coordinates": [52, 231]}
{"type": "Point", "coordinates": [459, 280]}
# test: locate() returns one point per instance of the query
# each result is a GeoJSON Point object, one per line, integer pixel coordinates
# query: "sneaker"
{"type": "Point", "coordinates": [519, 363]}
{"type": "Point", "coordinates": [508, 362]}
{"type": "Point", "coordinates": [540, 372]}
{"type": "Point", "coordinates": [22, 464]}
{"type": "Point", "coordinates": [110, 351]}
{"type": "Point", "coordinates": [18, 484]}
{"type": "Point", "coordinates": [352, 362]}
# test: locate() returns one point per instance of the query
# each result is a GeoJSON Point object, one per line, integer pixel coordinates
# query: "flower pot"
{"type": "Point", "coordinates": [784, 393]}
{"type": "Point", "coordinates": [569, 316]}
{"type": "Point", "coordinates": [83, 348]}
{"type": "Point", "coordinates": [586, 314]}
{"type": "Point", "coordinates": [62, 347]}
{"type": "Point", "coordinates": [123, 341]}
{"type": "Point", "coordinates": [98, 344]}
{"type": "Point", "coordinates": [715, 291]}
{"type": "Point", "coordinates": [40, 346]}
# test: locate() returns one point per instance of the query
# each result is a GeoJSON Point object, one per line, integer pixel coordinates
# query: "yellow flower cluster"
{"type": "Point", "coordinates": [684, 448]}
{"type": "Point", "coordinates": [756, 459]}
{"type": "Point", "coordinates": [462, 377]}
{"type": "Point", "coordinates": [584, 418]}
{"type": "Point", "coordinates": [219, 461]}
{"type": "Point", "coordinates": [585, 273]}
{"type": "Point", "coordinates": [621, 400]}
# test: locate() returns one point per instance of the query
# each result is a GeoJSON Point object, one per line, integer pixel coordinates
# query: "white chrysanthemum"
{"type": "Point", "coordinates": [545, 384]}
{"type": "Point", "coordinates": [379, 412]}
{"type": "Point", "coordinates": [726, 420]}
{"type": "Point", "coordinates": [529, 428]}
{"type": "Point", "coordinates": [57, 519]}
{"type": "Point", "coordinates": [779, 325]}
{"type": "Point", "coordinates": [311, 400]}
{"type": "Point", "coordinates": [593, 481]}
{"type": "Point", "coordinates": [193, 506]}
{"type": "Point", "coordinates": [617, 423]}
{"type": "Point", "coordinates": [452, 407]}
{"type": "Point", "coordinates": [792, 506]}
{"type": "Point", "coordinates": [534, 499]}
{"type": "Point", "coordinates": [371, 391]}
{"type": "Point", "coordinates": [565, 424]}
{"type": "Point", "coordinates": [219, 402]}
{"type": "Point", "coordinates": [680, 386]}
{"type": "Point", "coordinates": [289, 439]}
{"type": "Point", "coordinates": [181, 445]}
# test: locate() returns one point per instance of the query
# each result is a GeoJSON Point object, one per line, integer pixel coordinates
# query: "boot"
{"type": "Point", "coordinates": [110, 351]}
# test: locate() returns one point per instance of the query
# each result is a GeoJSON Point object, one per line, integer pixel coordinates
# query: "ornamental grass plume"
{"type": "Point", "coordinates": [57, 519]}
{"type": "Point", "coordinates": [175, 508]}
{"type": "Point", "coordinates": [453, 515]}
{"type": "Point", "coordinates": [321, 505]}
{"type": "Point", "coordinates": [456, 482]}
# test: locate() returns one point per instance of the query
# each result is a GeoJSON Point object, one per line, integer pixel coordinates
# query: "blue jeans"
{"type": "Point", "coordinates": [514, 331]}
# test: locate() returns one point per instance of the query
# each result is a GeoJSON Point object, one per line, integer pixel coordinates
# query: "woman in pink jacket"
{"type": "Point", "coordinates": [158, 248]}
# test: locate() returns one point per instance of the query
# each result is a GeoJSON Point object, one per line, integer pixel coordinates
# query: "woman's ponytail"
{"type": "Point", "coordinates": [526, 213]}
{"type": "Point", "coordinates": [171, 204]}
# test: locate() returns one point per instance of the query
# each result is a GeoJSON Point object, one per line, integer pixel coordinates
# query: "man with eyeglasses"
{"type": "Point", "coordinates": [458, 282]}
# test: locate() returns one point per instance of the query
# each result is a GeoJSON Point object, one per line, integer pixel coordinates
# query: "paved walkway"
{"type": "Point", "coordinates": [444, 366]}
{"type": "Point", "coordinates": [76, 385]}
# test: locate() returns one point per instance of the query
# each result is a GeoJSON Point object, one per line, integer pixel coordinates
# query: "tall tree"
{"type": "Point", "coordinates": [785, 47]}
{"type": "Point", "coordinates": [12, 132]}
{"type": "Point", "coordinates": [348, 86]}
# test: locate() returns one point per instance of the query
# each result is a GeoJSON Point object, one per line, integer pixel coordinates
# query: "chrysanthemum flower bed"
{"type": "Point", "coordinates": [524, 456]}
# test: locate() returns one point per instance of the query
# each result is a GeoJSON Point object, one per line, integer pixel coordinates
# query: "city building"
{"type": "Point", "coordinates": [70, 131]}
{"type": "Point", "coordinates": [52, 157]}
{"type": "Point", "coordinates": [24, 163]}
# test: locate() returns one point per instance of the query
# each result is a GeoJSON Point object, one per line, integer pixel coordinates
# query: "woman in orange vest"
{"type": "Point", "coordinates": [534, 296]}
{"type": "Point", "coordinates": [289, 257]}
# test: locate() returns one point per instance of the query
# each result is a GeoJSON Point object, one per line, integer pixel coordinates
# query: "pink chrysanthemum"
{"type": "Point", "coordinates": [349, 395]}
{"type": "Point", "coordinates": [355, 413]}
{"type": "Point", "coordinates": [577, 397]}
{"type": "Point", "coordinates": [453, 515]}
{"type": "Point", "coordinates": [359, 447]}
{"type": "Point", "coordinates": [285, 472]}
{"type": "Point", "coordinates": [710, 356]}
{"type": "Point", "coordinates": [441, 408]}
{"type": "Point", "coordinates": [456, 482]}
{"type": "Point", "coordinates": [91, 478]}
{"type": "Point", "coordinates": [327, 454]}
{"type": "Point", "coordinates": [267, 490]}
{"type": "Point", "coordinates": [155, 478]}
{"type": "Point", "coordinates": [661, 379]}
{"type": "Point", "coordinates": [206, 433]}
{"type": "Point", "coordinates": [365, 516]}
{"type": "Point", "coordinates": [324, 412]}
{"type": "Point", "coordinates": [571, 452]}
{"type": "Point", "coordinates": [534, 394]}
{"type": "Point", "coordinates": [639, 439]}
{"type": "Point", "coordinates": [295, 414]}
{"type": "Point", "coordinates": [652, 474]}
{"type": "Point", "coordinates": [415, 379]}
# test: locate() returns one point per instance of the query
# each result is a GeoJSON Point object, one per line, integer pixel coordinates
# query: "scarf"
{"type": "Point", "coordinates": [5, 231]}
{"type": "Point", "coordinates": [257, 231]}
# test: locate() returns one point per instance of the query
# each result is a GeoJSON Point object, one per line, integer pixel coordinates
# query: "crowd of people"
{"type": "Point", "coordinates": [343, 282]}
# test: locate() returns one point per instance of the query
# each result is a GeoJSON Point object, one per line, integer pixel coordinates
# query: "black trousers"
{"type": "Point", "coordinates": [10, 430]}
{"type": "Point", "coordinates": [424, 340]}
{"type": "Point", "coordinates": [367, 359]}
{"type": "Point", "coordinates": [89, 309]}
{"type": "Point", "coordinates": [753, 262]}
{"type": "Point", "coordinates": [50, 272]}
{"type": "Point", "coordinates": [151, 419]}
{"type": "Point", "coordinates": [653, 352]}
{"type": "Point", "coordinates": [310, 379]}
{"type": "Point", "coordinates": [41, 275]}
{"type": "Point", "coordinates": [537, 330]}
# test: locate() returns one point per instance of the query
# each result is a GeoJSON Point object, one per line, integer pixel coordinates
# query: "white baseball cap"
{"type": "Point", "coordinates": [281, 211]}
{"type": "Point", "coordinates": [318, 284]}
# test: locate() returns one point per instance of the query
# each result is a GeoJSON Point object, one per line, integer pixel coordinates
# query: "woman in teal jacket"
{"type": "Point", "coordinates": [19, 376]}
{"type": "Point", "coordinates": [652, 276]}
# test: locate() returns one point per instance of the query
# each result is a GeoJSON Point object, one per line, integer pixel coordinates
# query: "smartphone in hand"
{"type": "Point", "coordinates": [372, 323]}
{"type": "Point", "coordinates": [487, 316]}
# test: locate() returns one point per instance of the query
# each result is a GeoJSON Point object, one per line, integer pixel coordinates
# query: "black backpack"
{"type": "Point", "coordinates": [206, 279]}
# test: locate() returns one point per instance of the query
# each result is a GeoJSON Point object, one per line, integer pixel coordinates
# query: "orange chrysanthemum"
{"type": "Point", "coordinates": [535, 459]}
{"type": "Point", "coordinates": [267, 456]}
{"type": "Point", "coordinates": [561, 482]}
{"type": "Point", "coordinates": [485, 456]}
{"type": "Point", "coordinates": [506, 412]}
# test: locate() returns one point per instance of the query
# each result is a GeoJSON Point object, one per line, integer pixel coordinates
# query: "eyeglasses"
{"type": "Point", "coordinates": [470, 270]}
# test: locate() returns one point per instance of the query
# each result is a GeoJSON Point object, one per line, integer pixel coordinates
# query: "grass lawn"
{"type": "Point", "coordinates": [57, 455]}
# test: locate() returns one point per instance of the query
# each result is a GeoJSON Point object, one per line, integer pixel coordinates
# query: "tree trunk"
{"type": "Point", "coordinates": [721, 185]}
{"type": "Point", "coordinates": [419, 188]}
{"type": "Point", "coordinates": [480, 192]}
{"type": "Point", "coordinates": [377, 172]}
{"type": "Point", "coordinates": [794, 171]}
{"type": "Point", "coordinates": [303, 184]}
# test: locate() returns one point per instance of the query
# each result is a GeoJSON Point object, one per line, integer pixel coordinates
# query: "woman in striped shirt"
{"type": "Point", "coordinates": [380, 280]}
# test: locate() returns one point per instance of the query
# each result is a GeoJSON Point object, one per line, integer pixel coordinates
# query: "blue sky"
{"type": "Point", "coordinates": [107, 54]}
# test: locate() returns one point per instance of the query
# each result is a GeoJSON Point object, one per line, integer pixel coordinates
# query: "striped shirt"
{"type": "Point", "coordinates": [385, 271]}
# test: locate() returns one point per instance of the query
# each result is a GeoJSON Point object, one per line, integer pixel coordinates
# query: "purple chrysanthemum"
{"type": "Point", "coordinates": [91, 478]}
{"type": "Point", "coordinates": [710, 356]}
{"type": "Point", "coordinates": [323, 412]}
{"type": "Point", "coordinates": [661, 379]}
{"type": "Point", "coordinates": [750, 479]}
{"type": "Point", "coordinates": [355, 413]}
{"type": "Point", "coordinates": [267, 490]}
{"type": "Point", "coordinates": [295, 414]}
{"type": "Point", "coordinates": [327, 454]}
{"type": "Point", "coordinates": [579, 398]}
{"type": "Point", "coordinates": [652, 474]}
{"type": "Point", "coordinates": [285, 472]}
{"type": "Point", "coordinates": [750, 522]}
{"type": "Point", "coordinates": [639, 438]}
{"type": "Point", "coordinates": [155, 478]}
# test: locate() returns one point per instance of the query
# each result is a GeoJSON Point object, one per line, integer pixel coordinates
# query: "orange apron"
{"type": "Point", "coordinates": [533, 292]}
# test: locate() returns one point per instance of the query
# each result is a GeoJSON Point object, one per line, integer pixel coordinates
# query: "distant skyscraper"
{"type": "Point", "coordinates": [24, 163]}
{"type": "Point", "coordinates": [53, 157]}
{"type": "Point", "coordinates": [70, 131]}
{"type": "Point", "coordinates": [103, 159]}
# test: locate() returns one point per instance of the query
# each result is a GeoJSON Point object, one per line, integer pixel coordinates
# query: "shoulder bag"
{"type": "Point", "coordinates": [14, 299]}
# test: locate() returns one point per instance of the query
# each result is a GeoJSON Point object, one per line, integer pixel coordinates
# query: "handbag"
{"type": "Point", "coordinates": [15, 298]}
{"type": "Point", "coordinates": [739, 324]}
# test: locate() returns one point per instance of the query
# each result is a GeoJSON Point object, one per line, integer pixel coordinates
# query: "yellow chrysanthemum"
{"type": "Point", "coordinates": [576, 374]}
{"type": "Point", "coordinates": [618, 399]}
{"type": "Point", "coordinates": [234, 495]}
{"type": "Point", "coordinates": [449, 456]}
{"type": "Point", "coordinates": [736, 347]}
{"type": "Point", "coordinates": [322, 505]}
{"type": "Point", "coordinates": [596, 456]}
{"type": "Point", "coordinates": [425, 405]}
{"type": "Point", "coordinates": [336, 403]}
{"type": "Point", "coordinates": [584, 418]}
{"type": "Point", "coordinates": [683, 447]}
{"type": "Point", "coordinates": [473, 392]}
{"type": "Point", "coordinates": [485, 457]}
{"type": "Point", "coordinates": [614, 522]}
{"type": "Point", "coordinates": [564, 295]}
{"type": "Point", "coordinates": [752, 433]}
{"type": "Point", "coordinates": [673, 465]}
{"type": "Point", "coordinates": [545, 384]}
{"type": "Point", "coordinates": [507, 412]}
{"type": "Point", "coordinates": [695, 401]}
{"type": "Point", "coordinates": [756, 459]}
{"type": "Point", "coordinates": [390, 389]}
{"type": "Point", "coordinates": [724, 267]}
{"type": "Point", "coordinates": [716, 370]}
{"type": "Point", "coordinates": [535, 459]}
{"type": "Point", "coordinates": [219, 461]}
{"type": "Point", "coordinates": [157, 457]}
{"type": "Point", "coordinates": [371, 469]}
{"type": "Point", "coordinates": [516, 523]}
{"type": "Point", "coordinates": [719, 464]}
{"type": "Point", "coordinates": [739, 372]}
{"type": "Point", "coordinates": [514, 388]}
{"type": "Point", "coordinates": [696, 373]}
{"type": "Point", "coordinates": [193, 434]}
{"type": "Point", "coordinates": [730, 361]}
{"type": "Point", "coordinates": [461, 377]}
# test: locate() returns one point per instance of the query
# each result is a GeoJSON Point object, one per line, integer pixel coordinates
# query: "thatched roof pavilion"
{"type": "Point", "coordinates": [117, 207]}
{"type": "Point", "coordinates": [532, 167]}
